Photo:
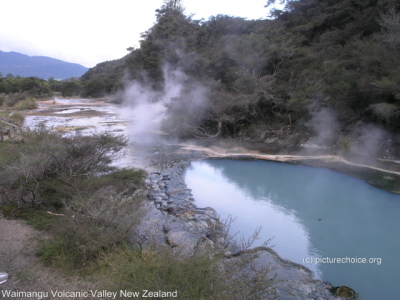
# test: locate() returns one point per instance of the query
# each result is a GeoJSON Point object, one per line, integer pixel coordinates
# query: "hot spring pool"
{"type": "Point", "coordinates": [340, 227]}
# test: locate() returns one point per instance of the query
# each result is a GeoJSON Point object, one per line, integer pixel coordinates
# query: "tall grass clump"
{"type": "Point", "coordinates": [198, 275]}
{"type": "Point", "coordinates": [26, 104]}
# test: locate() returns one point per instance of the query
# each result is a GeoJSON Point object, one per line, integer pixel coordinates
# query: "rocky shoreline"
{"type": "Point", "coordinates": [172, 218]}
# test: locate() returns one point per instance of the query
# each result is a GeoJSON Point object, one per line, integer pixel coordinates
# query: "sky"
{"type": "Point", "coordinates": [88, 32]}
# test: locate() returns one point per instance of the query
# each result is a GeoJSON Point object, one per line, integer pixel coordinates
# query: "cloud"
{"type": "Point", "coordinates": [91, 31]}
{"type": "Point", "coordinates": [86, 32]}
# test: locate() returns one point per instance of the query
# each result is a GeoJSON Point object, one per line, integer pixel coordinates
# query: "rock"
{"type": "Point", "coordinates": [186, 242]}
{"type": "Point", "coordinates": [179, 238]}
{"type": "Point", "coordinates": [292, 280]}
{"type": "Point", "coordinates": [344, 292]}
{"type": "Point", "coordinates": [175, 191]}
{"type": "Point", "coordinates": [187, 228]}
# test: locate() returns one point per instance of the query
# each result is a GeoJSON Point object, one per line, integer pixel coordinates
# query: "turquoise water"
{"type": "Point", "coordinates": [314, 216]}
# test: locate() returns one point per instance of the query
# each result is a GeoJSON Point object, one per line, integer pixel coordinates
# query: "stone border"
{"type": "Point", "coordinates": [186, 226]}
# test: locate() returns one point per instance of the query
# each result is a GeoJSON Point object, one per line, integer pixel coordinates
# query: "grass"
{"type": "Point", "coordinates": [85, 226]}
{"type": "Point", "coordinates": [200, 275]}
{"type": "Point", "coordinates": [132, 269]}
{"type": "Point", "coordinates": [123, 180]}
{"type": "Point", "coordinates": [26, 104]}
{"type": "Point", "coordinates": [87, 219]}
{"type": "Point", "coordinates": [37, 218]}
{"type": "Point", "coordinates": [16, 118]}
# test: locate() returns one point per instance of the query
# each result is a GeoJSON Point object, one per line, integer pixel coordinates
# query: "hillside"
{"type": "Point", "coordinates": [38, 66]}
{"type": "Point", "coordinates": [325, 74]}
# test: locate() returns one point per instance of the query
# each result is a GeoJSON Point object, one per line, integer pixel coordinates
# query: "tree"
{"type": "Point", "coordinates": [71, 87]}
{"type": "Point", "coordinates": [166, 42]}
{"type": "Point", "coordinates": [169, 6]}
{"type": "Point", "coordinates": [390, 22]}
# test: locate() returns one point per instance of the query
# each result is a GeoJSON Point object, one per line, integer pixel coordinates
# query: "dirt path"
{"type": "Point", "coordinates": [18, 243]}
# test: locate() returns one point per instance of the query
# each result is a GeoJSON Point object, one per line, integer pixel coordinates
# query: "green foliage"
{"type": "Point", "coordinates": [161, 269]}
{"type": "Point", "coordinates": [47, 156]}
{"type": "Point", "coordinates": [194, 276]}
{"type": "Point", "coordinates": [9, 100]}
{"type": "Point", "coordinates": [78, 240]}
{"type": "Point", "coordinates": [35, 217]}
{"type": "Point", "coordinates": [55, 184]}
{"type": "Point", "coordinates": [103, 79]}
{"type": "Point", "coordinates": [26, 104]}
{"type": "Point", "coordinates": [87, 218]}
{"type": "Point", "coordinates": [126, 181]}
{"type": "Point", "coordinates": [97, 217]}
{"type": "Point", "coordinates": [33, 86]}
{"type": "Point", "coordinates": [268, 73]}
{"type": "Point", "coordinates": [15, 118]}
{"type": "Point", "coordinates": [387, 112]}
{"type": "Point", "coordinates": [21, 92]}
{"type": "Point", "coordinates": [71, 88]}
{"type": "Point", "coordinates": [344, 144]}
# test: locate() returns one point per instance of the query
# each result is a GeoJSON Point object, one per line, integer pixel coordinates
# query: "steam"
{"type": "Point", "coordinates": [367, 142]}
{"type": "Point", "coordinates": [325, 127]}
{"type": "Point", "coordinates": [370, 142]}
{"type": "Point", "coordinates": [150, 110]}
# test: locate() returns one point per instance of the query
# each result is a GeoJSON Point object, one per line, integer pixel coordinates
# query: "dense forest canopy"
{"type": "Point", "coordinates": [279, 78]}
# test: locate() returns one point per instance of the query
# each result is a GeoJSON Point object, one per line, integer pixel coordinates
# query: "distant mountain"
{"type": "Point", "coordinates": [38, 66]}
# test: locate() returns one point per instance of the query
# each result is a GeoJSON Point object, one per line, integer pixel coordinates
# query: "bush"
{"type": "Point", "coordinates": [10, 100]}
{"type": "Point", "coordinates": [85, 226]}
{"type": "Point", "coordinates": [55, 184]}
{"type": "Point", "coordinates": [197, 276]}
{"type": "Point", "coordinates": [48, 157]}
{"type": "Point", "coordinates": [26, 104]}
{"type": "Point", "coordinates": [16, 118]}
{"type": "Point", "coordinates": [77, 241]}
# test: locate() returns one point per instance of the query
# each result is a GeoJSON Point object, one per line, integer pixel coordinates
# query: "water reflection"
{"type": "Point", "coordinates": [311, 213]}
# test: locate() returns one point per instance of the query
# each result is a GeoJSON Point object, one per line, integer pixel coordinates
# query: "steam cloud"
{"type": "Point", "coordinates": [367, 141]}
{"type": "Point", "coordinates": [147, 108]}
{"type": "Point", "coordinates": [325, 127]}
{"type": "Point", "coordinates": [370, 141]}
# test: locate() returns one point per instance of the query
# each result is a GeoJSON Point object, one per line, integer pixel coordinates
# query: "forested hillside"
{"type": "Point", "coordinates": [43, 67]}
{"type": "Point", "coordinates": [320, 69]}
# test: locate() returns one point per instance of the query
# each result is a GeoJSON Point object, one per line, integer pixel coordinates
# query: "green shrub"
{"type": "Point", "coordinates": [89, 226]}
{"type": "Point", "coordinates": [16, 118]}
{"type": "Point", "coordinates": [132, 269]}
{"type": "Point", "coordinates": [93, 220]}
{"type": "Point", "coordinates": [11, 100]}
{"type": "Point", "coordinates": [200, 275]}
{"type": "Point", "coordinates": [124, 181]}
{"type": "Point", "coordinates": [77, 241]}
{"type": "Point", "coordinates": [46, 157]}
{"type": "Point", "coordinates": [26, 104]}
